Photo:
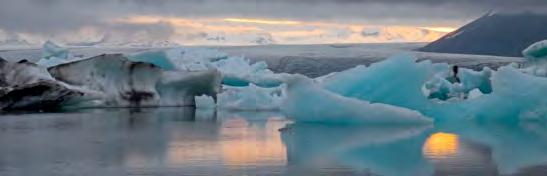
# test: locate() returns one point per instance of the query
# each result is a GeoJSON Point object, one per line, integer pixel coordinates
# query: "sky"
{"type": "Point", "coordinates": [241, 22]}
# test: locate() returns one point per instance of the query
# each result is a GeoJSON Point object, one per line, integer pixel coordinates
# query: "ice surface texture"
{"type": "Point", "coordinates": [309, 103]}
{"type": "Point", "coordinates": [536, 51]}
{"type": "Point", "coordinates": [102, 81]}
{"type": "Point", "coordinates": [239, 76]}
{"type": "Point", "coordinates": [400, 89]}
{"type": "Point", "coordinates": [398, 81]}
{"type": "Point", "coordinates": [53, 54]}
{"type": "Point", "coordinates": [117, 81]}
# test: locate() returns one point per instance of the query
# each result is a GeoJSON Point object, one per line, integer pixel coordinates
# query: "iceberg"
{"type": "Point", "coordinates": [536, 56]}
{"type": "Point", "coordinates": [26, 86]}
{"type": "Point", "coordinates": [251, 97]}
{"type": "Point", "coordinates": [246, 86]}
{"type": "Point", "coordinates": [509, 94]}
{"type": "Point", "coordinates": [114, 80]}
{"type": "Point", "coordinates": [396, 81]}
{"type": "Point", "coordinates": [157, 58]}
{"type": "Point", "coordinates": [50, 49]}
{"type": "Point", "coordinates": [307, 102]}
{"type": "Point", "coordinates": [536, 51]}
{"type": "Point", "coordinates": [236, 71]}
{"type": "Point", "coordinates": [400, 89]}
{"type": "Point", "coordinates": [53, 54]}
{"type": "Point", "coordinates": [440, 87]}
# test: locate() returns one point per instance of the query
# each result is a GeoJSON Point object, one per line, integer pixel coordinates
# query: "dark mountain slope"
{"type": "Point", "coordinates": [494, 34]}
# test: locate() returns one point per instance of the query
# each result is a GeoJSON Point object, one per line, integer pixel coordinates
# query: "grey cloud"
{"type": "Point", "coordinates": [49, 17]}
{"type": "Point", "coordinates": [139, 32]}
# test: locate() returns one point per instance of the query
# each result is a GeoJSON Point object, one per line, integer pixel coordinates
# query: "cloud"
{"type": "Point", "coordinates": [54, 18]}
{"type": "Point", "coordinates": [160, 31]}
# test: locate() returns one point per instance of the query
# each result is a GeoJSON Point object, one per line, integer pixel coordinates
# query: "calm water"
{"type": "Point", "coordinates": [178, 141]}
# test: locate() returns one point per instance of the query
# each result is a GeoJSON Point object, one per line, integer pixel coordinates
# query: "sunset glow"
{"type": "Point", "coordinates": [248, 31]}
{"type": "Point", "coordinates": [262, 21]}
{"type": "Point", "coordinates": [440, 29]}
{"type": "Point", "coordinates": [441, 145]}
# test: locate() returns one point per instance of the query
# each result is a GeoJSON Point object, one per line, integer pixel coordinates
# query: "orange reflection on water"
{"type": "Point", "coordinates": [258, 145]}
{"type": "Point", "coordinates": [441, 145]}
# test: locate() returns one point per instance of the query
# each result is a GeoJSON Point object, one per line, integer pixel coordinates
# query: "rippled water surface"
{"type": "Point", "coordinates": [180, 141]}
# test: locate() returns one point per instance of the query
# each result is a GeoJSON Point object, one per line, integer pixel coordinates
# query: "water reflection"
{"type": "Point", "coordinates": [180, 141]}
{"type": "Point", "coordinates": [380, 150]}
{"type": "Point", "coordinates": [261, 146]}
{"type": "Point", "coordinates": [167, 141]}
{"type": "Point", "coordinates": [441, 145]}
{"type": "Point", "coordinates": [514, 147]}
{"type": "Point", "coordinates": [469, 148]}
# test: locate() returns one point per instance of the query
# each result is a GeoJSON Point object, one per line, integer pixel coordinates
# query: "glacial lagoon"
{"type": "Point", "coordinates": [187, 141]}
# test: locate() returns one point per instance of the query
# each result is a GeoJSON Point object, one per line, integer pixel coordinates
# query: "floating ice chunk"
{"type": "Point", "coordinates": [53, 55]}
{"type": "Point", "coordinates": [50, 49]}
{"type": "Point", "coordinates": [26, 86]}
{"type": "Point", "coordinates": [536, 51]}
{"type": "Point", "coordinates": [396, 81]}
{"type": "Point", "coordinates": [475, 93]}
{"type": "Point", "coordinates": [250, 98]}
{"type": "Point", "coordinates": [239, 76]}
{"type": "Point", "coordinates": [440, 88]}
{"type": "Point", "coordinates": [179, 88]}
{"type": "Point", "coordinates": [23, 72]}
{"type": "Point", "coordinates": [306, 102]}
{"type": "Point", "coordinates": [158, 58]}
{"type": "Point", "coordinates": [52, 61]}
{"type": "Point", "coordinates": [189, 59]}
{"type": "Point", "coordinates": [236, 71]}
{"type": "Point", "coordinates": [536, 54]}
{"type": "Point", "coordinates": [514, 94]}
{"type": "Point", "coordinates": [205, 102]}
{"type": "Point", "coordinates": [116, 81]}
{"type": "Point", "coordinates": [476, 80]}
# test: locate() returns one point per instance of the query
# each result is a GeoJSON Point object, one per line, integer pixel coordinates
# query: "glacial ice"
{"type": "Point", "coordinates": [53, 54]}
{"type": "Point", "coordinates": [398, 81]}
{"type": "Point", "coordinates": [50, 49]}
{"type": "Point", "coordinates": [236, 71]}
{"type": "Point", "coordinates": [157, 58]}
{"type": "Point", "coordinates": [246, 86]}
{"type": "Point", "coordinates": [251, 97]}
{"type": "Point", "coordinates": [26, 86]}
{"type": "Point", "coordinates": [307, 102]}
{"type": "Point", "coordinates": [396, 90]}
{"type": "Point", "coordinates": [536, 55]}
{"type": "Point", "coordinates": [113, 80]}
{"type": "Point", "coordinates": [536, 51]}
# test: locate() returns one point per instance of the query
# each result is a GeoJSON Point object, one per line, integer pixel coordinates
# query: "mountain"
{"type": "Point", "coordinates": [494, 34]}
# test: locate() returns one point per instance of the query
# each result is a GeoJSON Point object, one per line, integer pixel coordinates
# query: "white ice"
{"type": "Point", "coordinates": [53, 54]}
